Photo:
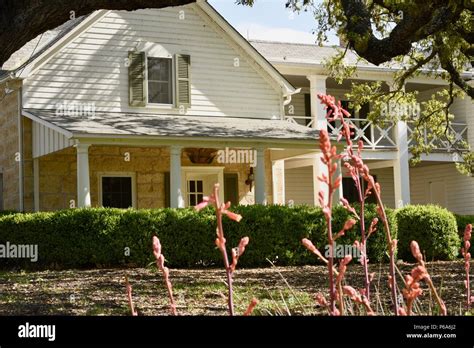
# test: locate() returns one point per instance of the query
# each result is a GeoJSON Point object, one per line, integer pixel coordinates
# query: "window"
{"type": "Point", "coordinates": [195, 192]}
{"type": "Point", "coordinates": [160, 81]}
{"type": "Point", "coordinates": [117, 191]}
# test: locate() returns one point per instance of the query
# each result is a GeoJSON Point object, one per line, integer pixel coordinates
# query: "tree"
{"type": "Point", "coordinates": [23, 20]}
{"type": "Point", "coordinates": [435, 36]}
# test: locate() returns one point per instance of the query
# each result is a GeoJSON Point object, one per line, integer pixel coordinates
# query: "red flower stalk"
{"type": "Point", "coordinates": [358, 169]}
{"type": "Point", "coordinates": [222, 209]}
{"type": "Point", "coordinates": [356, 297]}
{"type": "Point", "coordinates": [467, 258]}
{"type": "Point", "coordinates": [251, 307]}
{"type": "Point", "coordinates": [412, 288]}
{"type": "Point", "coordinates": [129, 297]}
{"type": "Point", "coordinates": [412, 282]}
{"type": "Point", "coordinates": [160, 263]}
{"type": "Point", "coordinates": [329, 155]}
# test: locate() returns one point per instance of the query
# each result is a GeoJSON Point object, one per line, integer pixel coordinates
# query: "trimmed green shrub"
{"type": "Point", "coordinates": [433, 227]}
{"type": "Point", "coordinates": [101, 237]}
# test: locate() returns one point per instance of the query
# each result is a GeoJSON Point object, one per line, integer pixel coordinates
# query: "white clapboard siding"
{"type": "Point", "coordinates": [47, 140]}
{"type": "Point", "coordinates": [459, 189]}
{"type": "Point", "coordinates": [299, 185]}
{"type": "Point", "coordinates": [92, 68]}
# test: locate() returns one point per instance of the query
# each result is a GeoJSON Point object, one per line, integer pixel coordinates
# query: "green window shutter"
{"type": "Point", "coordinates": [167, 190]}
{"type": "Point", "coordinates": [231, 188]}
{"type": "Point", "coordinates": [137, 78]}
{"type": "Point", "coordinates": [183, 80]}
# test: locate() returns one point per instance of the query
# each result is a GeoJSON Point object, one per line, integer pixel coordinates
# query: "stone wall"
{"type": "Point", "coordinates": [58, 175]}
{"type": "Point", "coordinates": [9, 147]}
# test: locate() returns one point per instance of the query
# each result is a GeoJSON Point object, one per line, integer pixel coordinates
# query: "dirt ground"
{"type": "Point", "coordinates": [280, 290]}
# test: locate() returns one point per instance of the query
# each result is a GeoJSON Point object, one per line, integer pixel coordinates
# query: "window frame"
{"type": "Point", "coordinates": [131, 175]}
{"type": "Point", "coordinates": [196, 193]}
{"type": "Point", "coordinates": [173, 82]}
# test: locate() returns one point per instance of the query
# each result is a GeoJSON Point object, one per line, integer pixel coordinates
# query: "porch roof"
{"type": "Point", "coordinates": [156, 125]}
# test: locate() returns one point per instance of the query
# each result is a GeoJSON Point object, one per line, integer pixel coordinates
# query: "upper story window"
{"type": "Point", "coordinates": [160, 80]}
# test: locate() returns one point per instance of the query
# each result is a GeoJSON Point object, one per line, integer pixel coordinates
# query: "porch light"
{"type": "Point", "coordinates": [250, 178]}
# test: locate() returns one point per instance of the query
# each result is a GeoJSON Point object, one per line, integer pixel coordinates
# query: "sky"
{"type": "Point", "coordinates": [270, 20]}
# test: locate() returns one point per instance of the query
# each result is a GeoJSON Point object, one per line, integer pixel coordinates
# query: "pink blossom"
{"type": "Point", "coordinates": [205, 202]}
{"type": "Point", "coordinates": [251, 307]}
{"type": "Point", "coordinates": [321, 300]}
{"type": "Point", "coordinates": [415, 250]}
{"type": "Point", "coordinates": [233, 216]}
{"type": "Point", "coordinates": [156, 247]}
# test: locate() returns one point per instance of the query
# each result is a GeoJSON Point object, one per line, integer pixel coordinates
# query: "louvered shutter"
{"type": "Point", "coordinates": [183, 80]}
{"type": "Point", "coordinates": [137, 78]}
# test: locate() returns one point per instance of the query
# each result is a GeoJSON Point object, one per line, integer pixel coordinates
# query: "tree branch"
{"type": "Point", "coordinates": [23, 20]}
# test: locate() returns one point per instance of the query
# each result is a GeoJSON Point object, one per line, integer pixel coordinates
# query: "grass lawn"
{"type": "Point", "coordinates": [281, 290]}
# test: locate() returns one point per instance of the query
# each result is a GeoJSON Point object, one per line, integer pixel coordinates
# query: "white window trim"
{"type": "Point", "coordinates": [132, 175]}
{"type": "Point", "coordinates": [218, 170]}
{"type": "Point", "coordinates": [171, 106]}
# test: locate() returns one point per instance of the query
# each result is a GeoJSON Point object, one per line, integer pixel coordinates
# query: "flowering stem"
{"type": "Point", "coordinates": [391, 250]}
{"type": "Point", "coordinates": [220, 233]}
{"type": "Point", "coordinates": [160, 264]}
{"type": "Point", "coordinates": [332, 289]}
{"type": "Point", "coordinates": [363, 243]}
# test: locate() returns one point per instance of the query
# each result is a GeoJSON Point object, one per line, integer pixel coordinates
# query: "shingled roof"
{"type": "Point", "coordinates": [119, 123]}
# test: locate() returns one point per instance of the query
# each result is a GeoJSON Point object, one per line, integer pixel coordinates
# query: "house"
{"type": "Point", "coordinates": [150, 108]}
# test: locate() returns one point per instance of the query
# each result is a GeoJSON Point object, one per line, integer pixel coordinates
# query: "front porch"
{"type": "Point", "coordinates": [157, 161]}
{"type": "Point", "coordinates": [88, 175]}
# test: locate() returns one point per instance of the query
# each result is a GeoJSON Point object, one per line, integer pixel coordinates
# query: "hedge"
{"type": "Point", "coordinates": [101, 237]}
{"type": "Point", "coordinates": [434, 228]}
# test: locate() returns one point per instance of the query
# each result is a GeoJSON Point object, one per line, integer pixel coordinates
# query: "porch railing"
{"type": "Point", "coordinates": [375, 137]}
{"type": "Point", "coordinates": [378, 137]}
{"type": "Point", "coordinates": [456, 131]}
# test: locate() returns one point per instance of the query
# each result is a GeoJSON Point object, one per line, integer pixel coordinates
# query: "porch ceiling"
{"type": "Point", "coordinates": [134, 124]}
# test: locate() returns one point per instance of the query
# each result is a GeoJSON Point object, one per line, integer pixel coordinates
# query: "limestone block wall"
{"type": "Point", "coordinates": [58, 174]}
{"type": "Point", "coordinates": [9, 147]}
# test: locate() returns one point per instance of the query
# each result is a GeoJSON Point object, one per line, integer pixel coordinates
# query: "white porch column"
{"type": "Point", "coordinates": [278, 176]}
{"type": "Point", "coordinates": [318, 170]}
{"type": "Point", "coordinates": [83, 181]}
{"type": "Point", "coordinates": [401, 168]}
{"type": "Point", "coordinates": [318, 113]}
{"type": "Point", "coordinates": [260, 180]}
{"type": "Point", "coordinates": [176, 194]}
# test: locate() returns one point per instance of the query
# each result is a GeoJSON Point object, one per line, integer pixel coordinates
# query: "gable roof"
{"type": "Point", "coordinates": [50, 39]}
{"type": "Point", "coordinates": [36, 47]}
